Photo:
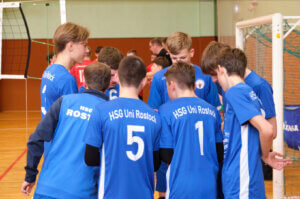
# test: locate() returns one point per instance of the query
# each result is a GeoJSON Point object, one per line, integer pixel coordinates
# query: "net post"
{"type": "Point", "coordinates": [63, 17]}
{"type": "Point", "coordinates": [239, 38]}
{"type": "Point", "coordinates": [277, 81]}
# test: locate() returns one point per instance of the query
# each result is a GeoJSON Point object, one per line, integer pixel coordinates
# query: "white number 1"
{"type": "Point", "coordinates": [199, 126]}
{"type": "Point", "coordinates": [131, 139]}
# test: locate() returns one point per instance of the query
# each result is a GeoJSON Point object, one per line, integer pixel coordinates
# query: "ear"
{"type": "Point", "coordinates": [221, 69]}
{"type": "Point", "coordinates": [172, 85]}
{"type": "Point", "coordinates": [70, 46]}
{"type": "Point", "coordinates": [192, 52]}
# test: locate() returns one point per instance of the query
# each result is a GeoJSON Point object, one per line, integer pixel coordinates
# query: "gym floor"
{"type": "Point", "coordinates": [13, 138]}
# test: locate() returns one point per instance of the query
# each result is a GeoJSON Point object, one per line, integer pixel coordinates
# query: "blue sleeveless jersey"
{"type": "Point", "coordinates": [205, 89]}
{"type": "Point", "coordinates": [242, 175]}
{"type": "Point", "coordinates": [127, 132]}
{"type": "Point", "coordinates": [64, 173]}
{"type": "Point", "coordinates": [113, 93]}
{"type": "Point", "coordinates": [191, 127]}
{"type": "Point", "coordinates": [56, 82]}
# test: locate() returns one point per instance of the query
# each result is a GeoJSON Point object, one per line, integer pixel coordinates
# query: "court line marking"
{"type": "Point", "coordinates": [12, 165]}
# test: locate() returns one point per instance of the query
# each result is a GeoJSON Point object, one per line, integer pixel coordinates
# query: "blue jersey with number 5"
{"type": "Point", "coordinates": [127, 131]}
{"type": "Point", "coordinates": [191, 127]}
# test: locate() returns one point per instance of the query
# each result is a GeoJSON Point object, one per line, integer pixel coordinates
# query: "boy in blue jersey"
{"type": "Point", "coordinates": [71, 46]}
{"type": "Point", "coordinates": [112, 57]}
{"type": "Point", "coordinates": [64, 173]}
{"type": "Point", "coordinates": [180, 48]}
{"type": "Point", "coordinates": [260, 86]}
{"type": "Point", "coordinates": [247, 135]}
{"type": "Point", "coordinates": [191, 131]}
{"type": "Point", "coordinates": [127, 132]}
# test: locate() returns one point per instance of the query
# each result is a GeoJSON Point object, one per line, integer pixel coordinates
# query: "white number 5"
{"type": "Point", "coordinates": [131, 139]}
{"type": "Point", "coordinates": [199, 126]}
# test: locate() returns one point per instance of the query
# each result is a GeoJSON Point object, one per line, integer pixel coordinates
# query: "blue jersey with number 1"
{"type": "Point", "coordinates": [127, 131]}
{"type": "Point", "coordinates": [191, 127]}
{"type": "Point", "coordinates": [242, 175]}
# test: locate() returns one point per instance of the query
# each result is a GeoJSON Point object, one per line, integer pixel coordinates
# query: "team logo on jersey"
{"type": "Point", "coordinates": [199, 84]}
{"type": "Point", "coordinates": [49, 76]}
{"type": "Point", "coordinates": [253, 95]}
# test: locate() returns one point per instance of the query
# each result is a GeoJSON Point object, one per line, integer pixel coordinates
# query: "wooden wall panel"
{"type": "Point", "coordinates": [12, 92]}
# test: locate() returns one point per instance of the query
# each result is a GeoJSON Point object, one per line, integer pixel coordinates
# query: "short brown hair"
{"type": "Point", "coordinates": [182, 73]}
{"type": "Point", "coordinates": [234, 60]}
{"type": "Point", "coordinates": [133, 51]}
{"type": "Point", "coordinates": [156, 40]}
{"type": "Point", "coordinates": [98, 49]}
{"type": "Point", "coordinates": [209, 55]}
{"type": "Point", "coordinates": [179, 41]}
{"type": "Point", "coordinates": [97, 76]}
{"type": "Point", "coordinates": [69, 32]}
{"type": "Point", "coordinates": [131, 71]}
{"type": "Point", "coordinates": [162, 61]}
{"type": "Point", "coordinates": [110, 56]}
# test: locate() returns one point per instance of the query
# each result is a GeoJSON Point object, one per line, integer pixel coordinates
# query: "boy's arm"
{"type": "Point", "coordinates": [266, 138]}
{"type": "Point", "coordinates": [92, 155]}
{"type": "Point", "coordinates": [273, 122]}
{"type": "Point", "coordinates": [156, 160]}
{"type": "Point", "coordinates": [155, 98]}
{"type": "Point", "coordinates": [265, 134]}
{"type": "Point", "coordinates": [166, 155]}
{"type": "Point", "coordinates": [35, 145]}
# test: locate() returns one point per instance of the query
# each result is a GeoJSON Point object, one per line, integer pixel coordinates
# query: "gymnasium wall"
{"type": "Point", "coordinates": [124, 24]}
{"type": "Point", "coordinates": [260, 61]}
{"type": "Point", "coordinates": [12, 92]}
{"type": "Point", "coordinates": [228, 16]}
{"type": "Point", "coordinates": [125, 18]}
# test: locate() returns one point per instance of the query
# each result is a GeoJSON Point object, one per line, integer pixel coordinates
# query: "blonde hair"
{"type": "Point", "coordinates": [179, 41]}
{"type": "Point", "coordinates": [69, 32]}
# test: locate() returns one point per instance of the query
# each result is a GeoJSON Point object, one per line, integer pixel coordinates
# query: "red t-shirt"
{"type": "Point", "coordinates": [149, 67]}
{"type": "Point", "coordinates": [77, 72]}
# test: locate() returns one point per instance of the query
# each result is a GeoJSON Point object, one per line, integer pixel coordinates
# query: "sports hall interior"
{"type": "Point", "coordinates": [124, 24]}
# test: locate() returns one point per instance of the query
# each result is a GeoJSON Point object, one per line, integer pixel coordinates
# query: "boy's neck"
{"type": "Point", "coordinates": [129, 92]}
{"type": "Point", "coordinates": [64, 60]}
{"type": "Point", "coordinates": [247, 72]}
{"type": "Point", "coordinates": [185, 93]}
{"type": "Point", "coordinates": [234, 80]}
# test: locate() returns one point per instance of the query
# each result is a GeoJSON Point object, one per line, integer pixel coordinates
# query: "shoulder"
{"type": "Point", "coordinates": [159, 76]}
{"type": "Point", "coordinates": [241, 94]}
{"type": "Point", "coordinates": [239, 89]}
{"type": "Point", "coordinates": [200, 74]}
{"type": "Point", "coordinates": [254, 80]}
{"type": "Point", "coordinates": [166, 107]}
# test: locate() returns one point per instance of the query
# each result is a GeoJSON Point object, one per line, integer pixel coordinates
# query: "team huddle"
{"type": "Point", "coordinates": [97, 147]}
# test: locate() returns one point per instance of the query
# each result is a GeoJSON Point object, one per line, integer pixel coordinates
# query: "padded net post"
{"type": "Point", "coordinates": [277, 82]}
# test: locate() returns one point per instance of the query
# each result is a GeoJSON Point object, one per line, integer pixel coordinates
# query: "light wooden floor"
{"type": "Point", "coordinates": [13, 138]}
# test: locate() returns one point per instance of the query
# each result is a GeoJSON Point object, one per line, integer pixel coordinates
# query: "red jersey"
{"type": "Point", "coordinates": [77, 72]}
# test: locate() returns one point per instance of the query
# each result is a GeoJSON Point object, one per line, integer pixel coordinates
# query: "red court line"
{"type": "Point", "coordinates": [12, 165]}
